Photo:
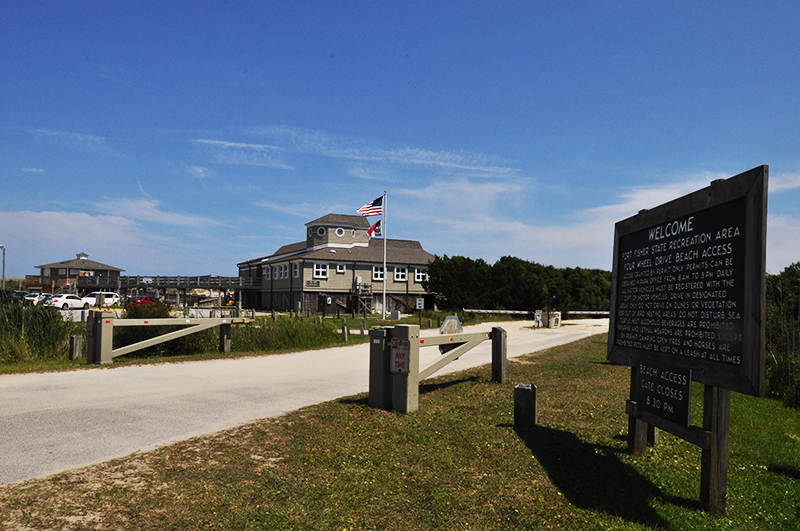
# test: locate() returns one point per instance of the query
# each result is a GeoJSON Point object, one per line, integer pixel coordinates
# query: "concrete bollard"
{"type": "Point", "coordinates": [526, 414]}
{"type": "Point", "coordinates": [362, 328]}
{"type": "Point", "coordinates": [345, 331]}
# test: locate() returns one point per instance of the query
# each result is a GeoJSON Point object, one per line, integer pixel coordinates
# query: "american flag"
{"type": "Point", "coordinates": [375, 208]}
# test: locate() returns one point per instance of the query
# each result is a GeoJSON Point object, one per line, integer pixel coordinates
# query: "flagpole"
{"type": "Point", "coordinates": [385, 273]}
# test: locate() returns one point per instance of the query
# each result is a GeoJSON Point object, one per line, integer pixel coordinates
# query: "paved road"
{"type": "Point", "coordinates": [52, 422]}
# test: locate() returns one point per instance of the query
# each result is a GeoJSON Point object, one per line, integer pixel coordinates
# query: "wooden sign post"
{"type": "Point", "coordinates": [687, 304]}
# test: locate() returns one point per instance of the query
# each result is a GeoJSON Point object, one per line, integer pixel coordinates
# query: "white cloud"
{"type": "Point", "coordinates": [472, 218]}
{"type": "Point", "coordinates": [245, 154]}
{"type": "Point", "coordinates": [79, 141]}
{"type": "Point", "coordinates": [33, 170]}
{"type": "Point", "coordinates": [784, 181]}
{"type": "Point", "coordinates": [311, 142]}
{"type": "Point", "coordinates": [302, 209]}
{"type": "Point", "coordinates": [782, 242]}
{"type": "Point", "coordinates": [149, 210]}
{"type": "Point", "coordinates": [199, 172]}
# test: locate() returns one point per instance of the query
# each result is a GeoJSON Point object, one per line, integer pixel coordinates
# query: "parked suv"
{"type": "Point", "coordinates": [109, 299]}
{"type": "Point", "coordinates": [8, 296]}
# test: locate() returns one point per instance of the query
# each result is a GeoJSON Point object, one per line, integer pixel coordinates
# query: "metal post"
{"type": "Point", "coordinates": [100, 330]}
{"type": "Point", "coordinates": [405, 386]}
{"type": "Point", "coordinates": [499, 355]}
{"type": "Point", "coordinates": [225, 338]}
{"type": "Point", "coordinates": [75, 347]}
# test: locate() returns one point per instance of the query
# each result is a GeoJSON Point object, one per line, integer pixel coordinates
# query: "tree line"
{"type": "Point", "coordinates": [511, 283]}
{"type": "Point", "coordinates": [783, 335]}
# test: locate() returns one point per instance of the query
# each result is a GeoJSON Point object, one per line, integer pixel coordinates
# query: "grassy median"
{"type": "Point", "coordinates": [457, 463]}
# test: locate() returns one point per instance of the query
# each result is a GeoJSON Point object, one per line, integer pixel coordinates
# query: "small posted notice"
{"type": "Point", "coordinates": [664, 391]}
{"type": "Point", "coordinates": [401, 355]}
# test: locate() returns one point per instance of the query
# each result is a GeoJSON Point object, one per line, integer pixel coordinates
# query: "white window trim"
{"type": "Point", "coordinates": [341, 268]}
{"type": "Point", "coordinates": [377, 273]}
{"type": "Point", "coordinates": [400, 274]}
{"type": "Point", "coordinates": [420, 274]}
{"type": "Point", "coordinates": [296, 270]}
{"type": "Point", "coordinates": [268, 273]}
{"type": "Point", "coordinates": [320, 270]}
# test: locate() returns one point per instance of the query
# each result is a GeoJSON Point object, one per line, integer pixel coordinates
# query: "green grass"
{"type": "Point", "coordinates": [457, 463]}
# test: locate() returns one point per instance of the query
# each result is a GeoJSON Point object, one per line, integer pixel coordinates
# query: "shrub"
{"type": "Point", "coordinates": [35, 333]}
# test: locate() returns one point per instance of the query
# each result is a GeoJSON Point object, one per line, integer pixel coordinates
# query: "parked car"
{"type": "Point", "coordinates": [8, 296]}
{"type": "Point", "coordinates": [34, 298]}
{"type": "Point", "coordinates": [65, 301]}
{"type": "Point", "coordinates": [141, 300]}
{"type": "Point", "coordinates": [109, 299]}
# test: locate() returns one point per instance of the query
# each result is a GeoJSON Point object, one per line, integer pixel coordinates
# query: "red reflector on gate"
{"type": "Point", "coordinates": [451, 339]}
{"type": "Point", "coordinates": [147, 322]}
{"type": "Point", "coordinates": [421, 341]}
{"type": "Point", "coordinates": [108, 322]}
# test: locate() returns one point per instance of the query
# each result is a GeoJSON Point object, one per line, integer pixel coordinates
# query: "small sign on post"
{"type": "Point", "coordinates": [664, 391]}
{"type": "Point", "coordinates": [401, 355]}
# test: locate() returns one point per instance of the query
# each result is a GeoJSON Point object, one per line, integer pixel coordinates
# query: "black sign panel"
{"type": "Point", "coordinates": [664, 391]}
{"type": "Point", "coordinates": [688, 284]}
{"type": "Point", "coordinates": [682, 288]}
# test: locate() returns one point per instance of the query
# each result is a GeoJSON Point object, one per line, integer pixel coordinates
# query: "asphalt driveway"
{"type": "Point", "coordinates": [52, 422]}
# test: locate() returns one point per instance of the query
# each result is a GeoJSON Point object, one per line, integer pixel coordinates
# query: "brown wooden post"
{"type": "Point", "coordinates": [499, 355]}
{"type": "Point", "coordinates": [637, 429]}
{"type": "Point", "coordinates": [714, 461]}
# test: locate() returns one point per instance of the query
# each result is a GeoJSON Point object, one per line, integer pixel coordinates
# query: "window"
{"type": "Point", "coordinates": [320, 270]}
{"type": "Point", "coordinates": [321, 232]}
{"type": "Point", "coordinates": [284, 270]}
{"type": "Point", "coordinates": [295, 270]}
{"type": "Point", "coordinates": [420, 275]}
{"type": "Point", "coordinates": [377, 272]}
{"type": "Point", "coordinates": [340, 232]}
{"type": "Point", "coordinates": [341, 268]}
{"type": "Point", "coordinates": [400, 274]}
{"type": "Point", "coordinates": [268, 273]}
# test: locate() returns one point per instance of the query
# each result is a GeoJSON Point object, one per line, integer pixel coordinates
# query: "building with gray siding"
{"type": "Point", "coordinates": [340, 261]}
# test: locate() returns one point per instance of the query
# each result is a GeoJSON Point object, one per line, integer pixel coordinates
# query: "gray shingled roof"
{"type": "Point", "coordinates": [397, 252]}
{"type": "Point", "coordinates": [77, 263]}
{"type": "Point", "coordinates": [358, 222]}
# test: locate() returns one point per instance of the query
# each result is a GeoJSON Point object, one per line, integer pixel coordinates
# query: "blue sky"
{"type": "Point", "coordinates": [183, 137]}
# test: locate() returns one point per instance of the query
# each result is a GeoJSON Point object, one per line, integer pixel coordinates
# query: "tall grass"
{"type": "Point", "coordinates": [263, 335]}
{"type": "Point", "coordinates": [34, 333]}
{"type": "Point", "coordinates": [284, 333]}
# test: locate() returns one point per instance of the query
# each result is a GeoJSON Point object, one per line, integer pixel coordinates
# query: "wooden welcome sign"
{"type": "Point", "coordinates": [687, 304]}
